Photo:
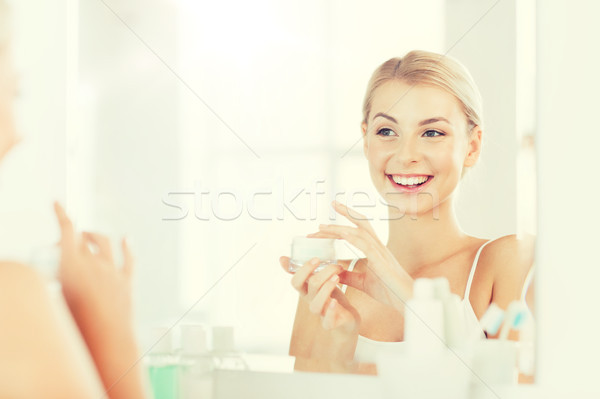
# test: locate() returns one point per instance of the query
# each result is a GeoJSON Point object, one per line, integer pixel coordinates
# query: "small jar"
{"type": "Point", "coordinates": [305, 248]}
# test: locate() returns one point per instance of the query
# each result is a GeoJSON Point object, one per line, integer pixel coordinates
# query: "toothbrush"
{"type": "Point", "coordinates": [492, 319]}
{"type": "Point", "coordinates": [516, 314]}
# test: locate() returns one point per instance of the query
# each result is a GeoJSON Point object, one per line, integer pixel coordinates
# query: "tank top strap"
{"type": "Point", "coordinates": [473, 267]}
{"type": "Point", "coordinates": [527, 282]}
{"type": "Point", "coordinates": [350, 268]}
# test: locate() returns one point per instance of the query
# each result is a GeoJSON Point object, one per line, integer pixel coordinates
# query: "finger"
{"type": "Point", "coordinates": [355, 236]}
{"type": "Point", "coordinates": [102, 242]}
{"type": "Point", "coordinates": [358, 219]}
{"type": "Point", "coordinates": [284, 261]}
{"type": "Point", "coordinates": [67, 233]}
{"type": "Point", "coordinates": [302, 274]}
{"type": "Point", "coordinates": [336, 229]}
{"type": "Point", "coordinates": [342, 311]}
{"type": "Point", "coordinates": [316, 281]}
{"type": "Point", "coordinates": [322, 234]}
{"type": "Point", "coordinates": [337, 315]}
{"type": "Point", "coordinates": [317, 305]}
{"type": "Point", "coordinates": [329, 320]}
{"type": "Point", "coordinates": [353, 279]}
{"type": "Point", "coordinates": [331, 314]}
{"type": "Point", "coordinates": [128, 260]}
{"type": "Point", "coordinates": [84, 248]}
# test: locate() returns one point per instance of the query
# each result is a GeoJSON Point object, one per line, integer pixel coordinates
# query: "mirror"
{"type": "Point", "coordinates": [212, 133]}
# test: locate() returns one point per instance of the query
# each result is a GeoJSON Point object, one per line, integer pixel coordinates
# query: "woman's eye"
{"type": "Point", "coordinates": [432, 133]}
{"type": "Point", "coordinates": [385, 132]}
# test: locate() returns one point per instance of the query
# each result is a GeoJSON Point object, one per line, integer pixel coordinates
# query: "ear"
{"type": "Point", "coordinates": [363, 127]}
{"type": "Point", "coordinates": [473, 147]}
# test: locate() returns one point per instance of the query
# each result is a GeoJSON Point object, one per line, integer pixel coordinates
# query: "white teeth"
{"type": "Point", "coordinates": [409, 181]}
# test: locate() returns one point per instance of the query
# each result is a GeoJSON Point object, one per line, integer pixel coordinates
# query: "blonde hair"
{"type": "Point", "coordinates": [423, 67]}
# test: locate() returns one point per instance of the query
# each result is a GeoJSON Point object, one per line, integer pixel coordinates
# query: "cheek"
{"type": "Point", "coordinates": [446, 157]}
{"type": "Point", "coordinates": [377, 154]}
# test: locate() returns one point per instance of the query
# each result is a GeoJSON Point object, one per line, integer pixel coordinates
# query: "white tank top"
{"type": "Point", "coordinates": [368, 349]}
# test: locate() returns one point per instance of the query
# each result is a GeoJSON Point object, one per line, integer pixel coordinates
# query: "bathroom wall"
{"type": "Point", "coordinates": [34, 173]}
{"type": "Point", "coordinates": [482, 35]}
{"type": "Point", "coordinates": [568, 275]}
{"type": "Point", "coordinates": [128, 140]}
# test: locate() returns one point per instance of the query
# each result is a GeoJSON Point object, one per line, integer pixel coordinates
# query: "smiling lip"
{"type": "Point", "coordinates": [405, 189]}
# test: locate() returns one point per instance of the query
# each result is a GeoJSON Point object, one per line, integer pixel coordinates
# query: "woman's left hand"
{"type": "Point", "coordinates": [93, 285]}
{"type": "Point", "coordinates": [98, 293]}
{"type": "Point", "coordinates": [384, 279]}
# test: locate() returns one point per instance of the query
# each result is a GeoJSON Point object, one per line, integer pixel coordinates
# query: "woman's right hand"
{"type": "Point", "coordinates": [324, 298]}
{"type": "Point", "coordinates": [383, 278]}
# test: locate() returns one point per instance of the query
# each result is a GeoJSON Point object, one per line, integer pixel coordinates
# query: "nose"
{"type": "Point", "coordinates": [408, 151]}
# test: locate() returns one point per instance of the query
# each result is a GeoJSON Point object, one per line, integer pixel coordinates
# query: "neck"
{"type": "Point", "coordinates": [421, 240]}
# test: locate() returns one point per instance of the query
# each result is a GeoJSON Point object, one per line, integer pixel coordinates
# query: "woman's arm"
{"type": "Point", "coordinates": [41, 352]}
{"type": "Point", "coordinates": [301, 343]}
{"type": "Point", "coordinates": [506, 262]}
{"type": "Point", "coordinates": [326, 325]}
{"type": "Point", "coordinates": [311, 340]}
{"type": "Point", "coordinates": [98, 294]}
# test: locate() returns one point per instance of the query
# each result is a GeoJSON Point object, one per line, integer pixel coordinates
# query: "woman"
{"type": "Point", "coordinates": [41, 355]}
{"type": "Point", "coordinates": [422, 130]}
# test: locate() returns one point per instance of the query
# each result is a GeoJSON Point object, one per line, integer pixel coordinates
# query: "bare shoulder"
{"type": "Point", "coordinates": [39, 342]}
{"type": "Point", "coordinates": [508, 252]}
{"type": "Point", "coordinates": [18, 280]}
{"type": "Point", "coordinates": [14, 271]}
{"type": "Point", "coordinates": [508, 260]}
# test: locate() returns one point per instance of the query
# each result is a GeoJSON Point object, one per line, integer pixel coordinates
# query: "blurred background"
{"type": "Point", "coordinates": [211, 133]}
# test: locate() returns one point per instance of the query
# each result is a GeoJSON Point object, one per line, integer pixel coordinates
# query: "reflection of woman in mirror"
{"type": "Point", "coordinates": [422, 130]}
{"type": "Point", "coordinates": [41, 354]}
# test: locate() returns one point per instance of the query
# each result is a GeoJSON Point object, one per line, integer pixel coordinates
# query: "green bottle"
{"type": "Point", "coordinates": [162, 366]}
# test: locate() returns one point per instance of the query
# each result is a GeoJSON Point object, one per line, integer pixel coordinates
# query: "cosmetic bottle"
{"type": "Point", "coordinates": [494, 361]}
{"type": "Point", "coordinates": [162, 365]}
{"type": "Point", "coordinates": [426, 358]}
{"type": "Point", "coordinates": [454, 318]}
{"type": "Point", "coordinates": [195, 364]}
{"type": "Point", "coordinates": [424, 320]}
{"type": "Point", "coordinates": [224, 354]}
{"type": "Point", "coordinates": [305, 248]}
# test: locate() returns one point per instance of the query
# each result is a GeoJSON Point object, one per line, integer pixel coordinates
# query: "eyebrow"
{"type": "Point", "coordinates": [386, 116]}
{"type": "Point", "coordinates": [423, 122]}
{"type": "Point", "coordinates": [434, 120]}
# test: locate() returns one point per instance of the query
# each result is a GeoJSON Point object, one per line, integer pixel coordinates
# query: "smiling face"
{"type": "Point", "coordinates": [417, 143]}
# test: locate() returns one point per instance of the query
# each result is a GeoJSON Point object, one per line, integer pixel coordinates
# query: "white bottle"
{"type": "Point", "coordinates": [424, 320]}
{"type": "Point", "coordinates": [225, 356]}
{"type": "Point", "coordinates": [195, 364]}
{"type": "Point", "coordinates": [454, 318]}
